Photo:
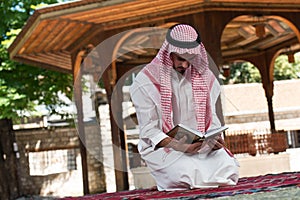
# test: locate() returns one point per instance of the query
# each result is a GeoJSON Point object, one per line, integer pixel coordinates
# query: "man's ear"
{"type": "Point", "coordinates": [172, 56]}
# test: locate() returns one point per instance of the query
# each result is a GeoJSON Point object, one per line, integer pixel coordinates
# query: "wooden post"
{"type": "Point", "coordinates": [80, 123]}
{"type": "Point", "coordinates": [265, 64]}
{"type": "Point", "coordinates": [117, 133]}
{"type": "Point", "coordinates": [271, 113]}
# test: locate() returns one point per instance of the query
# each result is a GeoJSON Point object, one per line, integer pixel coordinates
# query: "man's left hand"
{"type": "Point", "coordinates": [216, 143]}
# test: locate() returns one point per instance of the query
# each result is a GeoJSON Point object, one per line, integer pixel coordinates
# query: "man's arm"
{"type": "Point", "coordinates": [143, 97]}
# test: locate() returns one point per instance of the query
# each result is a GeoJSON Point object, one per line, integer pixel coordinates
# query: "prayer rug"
{"type": "Point", "coordinates": [246, 185]}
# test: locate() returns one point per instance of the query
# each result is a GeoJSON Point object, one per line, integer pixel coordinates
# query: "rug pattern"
{"type": "Point", "coordinates": [246, 185]}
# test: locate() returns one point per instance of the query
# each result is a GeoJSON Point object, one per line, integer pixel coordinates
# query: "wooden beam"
{"type": "Point", "coordinates": [33, 149]}
{"type": "Point", "coordinates": [39, 63]}
{"type": "Point", "coordinates": [77, 32]}
{"type": "Point", "coordinates": [86, 38]}
{"type": "Point", "coordinates": [240, 54]}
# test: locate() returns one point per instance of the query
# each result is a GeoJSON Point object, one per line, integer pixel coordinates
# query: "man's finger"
{"type": "Point", "coordinates": [183, 139]}
{"type": "Point", "coordinates": [215, 144]}
{"type": "Point", "coordinates": [220, 140]}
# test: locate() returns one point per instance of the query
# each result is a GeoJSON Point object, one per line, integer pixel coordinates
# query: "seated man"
{"type": "Point", "coordinates": [178, 87]}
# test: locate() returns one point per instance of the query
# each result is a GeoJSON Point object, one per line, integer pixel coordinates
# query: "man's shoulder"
{"type": "Point", "coordinates": [139, 80]}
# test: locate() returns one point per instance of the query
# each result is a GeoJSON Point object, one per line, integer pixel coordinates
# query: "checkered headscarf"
{"type": "Point", "coordinates": [182, 39]}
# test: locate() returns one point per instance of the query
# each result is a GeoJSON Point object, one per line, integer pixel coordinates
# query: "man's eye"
{"type": "Point", "coordinates": [181, 59]}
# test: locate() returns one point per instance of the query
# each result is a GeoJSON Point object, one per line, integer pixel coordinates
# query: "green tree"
{"type": "Point", "coordinates": [22, 87]}
{"type": "Point", "coordinates": [284, 70]}
{"type": "Point", "coordinates": [245, 72]}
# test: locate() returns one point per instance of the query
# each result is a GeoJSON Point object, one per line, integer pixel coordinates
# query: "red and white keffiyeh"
{"type": "Point", "coordinates": [182, 39]}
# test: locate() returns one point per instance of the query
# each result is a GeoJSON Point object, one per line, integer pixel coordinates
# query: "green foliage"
{"type": "Point", "coordinates": [245, 72]}
{"type": "Point", "coordinates": [22, 87]}
{"type": "Point", "coordinates": [284, 70]}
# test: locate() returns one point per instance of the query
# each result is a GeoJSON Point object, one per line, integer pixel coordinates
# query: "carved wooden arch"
{"type": "Point", "coordinates": [296, 29]}
{"type": "Point", "coordinates": [121, 42]}
{"type": "Point", "coordinates": [293, 23]}
{"type": "Point", "coordinates": [275, 52]}
{"type": "Point", "coordinates": [265, 63]}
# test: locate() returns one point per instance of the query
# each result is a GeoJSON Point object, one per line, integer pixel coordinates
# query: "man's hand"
{"type": "Point", "coordinates": [216, 143]}
{"type": "Point", "coordinates": [180, 145]}
{"type": "Point", "coordinates": [188, 148]}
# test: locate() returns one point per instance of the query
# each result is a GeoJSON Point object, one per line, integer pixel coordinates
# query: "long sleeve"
{"type": "Point", "coordinates": [145, 98]}
{"type": "Point", "coordinates": [214, 95]}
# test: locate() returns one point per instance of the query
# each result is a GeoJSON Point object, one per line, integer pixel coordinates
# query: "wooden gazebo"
{"type": "Point", "coordinates": [59, 36]}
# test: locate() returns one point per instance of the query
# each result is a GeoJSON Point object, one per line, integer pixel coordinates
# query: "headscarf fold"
{"type": "Point", "coordinates": [182, 39]}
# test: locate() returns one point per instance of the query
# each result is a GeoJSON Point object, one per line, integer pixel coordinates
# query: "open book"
{"type": "Point", "coordinates": [192, 135]}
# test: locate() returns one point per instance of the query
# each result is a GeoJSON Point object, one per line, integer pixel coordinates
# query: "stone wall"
{"type": "Point", "coordinates": [58, 176]}
{"type": "Point", "coordinates": [260, 116]}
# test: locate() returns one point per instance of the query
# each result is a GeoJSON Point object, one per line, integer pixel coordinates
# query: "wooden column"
{"type": "Point", "coordinates": [109, 78]}
{"type": "Point", "coordinates": [118, 136]}
{"type": "Point", "coordinates": [80, 123]}
{"type": "Point", "coordinates": [265, 63]}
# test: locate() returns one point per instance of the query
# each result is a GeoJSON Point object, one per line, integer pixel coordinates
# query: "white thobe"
{"type": "Point", "coordinates": [172, 169]}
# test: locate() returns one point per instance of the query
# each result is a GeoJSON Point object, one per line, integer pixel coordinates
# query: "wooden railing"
{"type": "Point", "coordinates": [239, 142]}
{"type": "Point", "coordinates": [251, 142]}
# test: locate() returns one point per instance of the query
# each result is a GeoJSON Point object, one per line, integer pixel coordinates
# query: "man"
{"type": "Point", "coordinates": [178, 87]}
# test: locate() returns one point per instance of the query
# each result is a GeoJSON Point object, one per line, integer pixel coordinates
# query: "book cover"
{"type": "Point", "coordinates": [193, 135]}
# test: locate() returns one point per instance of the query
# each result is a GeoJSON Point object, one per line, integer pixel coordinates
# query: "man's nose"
{"type": "Point", "coordinates": [185, 64]}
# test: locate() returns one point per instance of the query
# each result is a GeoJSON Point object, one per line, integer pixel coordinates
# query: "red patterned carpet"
{"type": "Point", "coordinates": [247, 185]}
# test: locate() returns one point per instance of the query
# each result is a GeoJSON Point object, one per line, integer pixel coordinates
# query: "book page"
{"type": "Point", "coordinates": [214, 132]}
{"type": "Point", "coordinates": [181, 130]}
{"type": "Point", "coordinates": [192, 135]}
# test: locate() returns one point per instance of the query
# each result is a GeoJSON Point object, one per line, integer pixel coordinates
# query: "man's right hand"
{"type": "Point", "coordinates": [180, 145]}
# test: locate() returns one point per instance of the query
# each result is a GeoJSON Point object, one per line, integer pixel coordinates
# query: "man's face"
{"type": "Point", "coordinates": [181, 61]}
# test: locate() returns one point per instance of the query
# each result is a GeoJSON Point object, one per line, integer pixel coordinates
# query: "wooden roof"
{"type": "Point", "coordinates": [53, 35]}
{"type": "Point", "coordinates": [239, 36]}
